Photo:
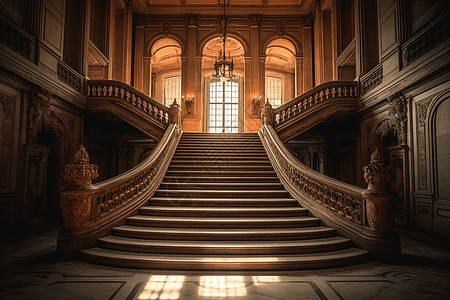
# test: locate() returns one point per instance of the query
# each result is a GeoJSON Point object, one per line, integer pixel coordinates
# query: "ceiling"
{"type": "Point", "coordinates": [233, 7]}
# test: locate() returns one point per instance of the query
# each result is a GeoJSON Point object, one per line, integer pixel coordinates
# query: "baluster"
{"type": "Point", "coordinates": [122, 93]}
{"type": "Point", "coordinates": [327, 93]}
{"type": "Point", "coordinates": [339, 91]}
{"type": "Point", "coordinates": [333, 92]}
{"type": "Point", "coordinates": [116, 91]}
{"type": "Point", "coordinates": [110, 90]}
{"type": "Point", "coordinates": [345, 91]}
{"type": "Point", "coordinates": [105, 91]}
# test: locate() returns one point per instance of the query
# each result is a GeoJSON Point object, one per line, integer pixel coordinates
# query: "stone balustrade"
{"type": "Point", "coordinates": [119, 90]}
{"type": "Point", "coordinates": [364, 215]}
{"type": "Point", "coordinates": [91, 210]}
{"type": "Point", "coordinates": [321, 93]}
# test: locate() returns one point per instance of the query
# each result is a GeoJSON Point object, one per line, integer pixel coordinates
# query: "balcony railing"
{"type": "Point", "coordinates": [134, 107]}
{"type": "Point", "coordinates": [307, 110]}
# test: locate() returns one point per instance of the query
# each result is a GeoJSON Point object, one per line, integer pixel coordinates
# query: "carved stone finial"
{"type": "Point", "coordinates": [376, 175]}
{"type": "Point", "coordinates": [39, 106]}
{"type": "Point", "coordinates": [174, 112]}
{"type": "Point", "coordinates": [80, 172]}
{"type": "Point", "coordinates": [267, 114]}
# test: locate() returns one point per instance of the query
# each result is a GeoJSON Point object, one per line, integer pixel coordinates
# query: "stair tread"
{"type": "Point", "coordinates": [236, 184]}
{"type": "Point", "coordinates": [218, 219]}
{"type": "Point", "coordinates": [133, 256]}
{"type": "Point", "coordinates": [249, 244]}
{"type": "Point", "coordinates": [243, 231]}
{"type": "Point", "coordinates": [225, 209]}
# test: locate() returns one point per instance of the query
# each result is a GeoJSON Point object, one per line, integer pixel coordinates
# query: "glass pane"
{"type": "Point", "coordinates": [172, 89]}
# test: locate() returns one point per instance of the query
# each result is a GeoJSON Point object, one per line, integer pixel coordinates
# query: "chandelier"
{"type": "Point", "coordinates": [223, 67]}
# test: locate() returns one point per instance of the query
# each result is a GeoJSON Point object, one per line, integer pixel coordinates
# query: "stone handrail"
{"type": "Point", "coordinates": [315, 106]}
{"type": "Point", "coordinates": [91, 211]}
{"type": "Point", "coordinates": [364, 216]}
{"type": "Point", "coordinates": [148, 115]}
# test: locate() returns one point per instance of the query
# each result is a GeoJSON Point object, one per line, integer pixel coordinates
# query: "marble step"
{"type": "Point", "coordinates": [177, 185]}
{"type": "Point", "coordinates": [222, 193]}
{"type": "Point", "coordinates": [199, 178]}
{"type": "Point", "coordinates": [200, 234]}
{"type": "Point", "coordinates": [200, 212]}
{"type": "Point", "coordinates": [221, 172]}
{"type": "Point", "coordinates": [224, 247]}
{"type": "Point", "coordinates": [226, 262]}
{"type": "Point", "coordinates": [211, 222]}
{"type": "Point", "coordinates": [224, 162]}
{"type": "Point", "coordinates": [222, 202]}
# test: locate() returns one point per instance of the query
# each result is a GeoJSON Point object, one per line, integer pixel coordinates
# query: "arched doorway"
{"type": "Point", "coordinates": [223, 97]}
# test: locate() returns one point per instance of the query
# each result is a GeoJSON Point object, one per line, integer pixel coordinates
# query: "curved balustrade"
{"type": "Point", "coordinates": [363, 216]}
{"type": "Point", "coordinates": [90, 211]}
{"type": "Point", "coordinates": [134, 107]}
{"type": "Point", "coordinates": [313, 107]}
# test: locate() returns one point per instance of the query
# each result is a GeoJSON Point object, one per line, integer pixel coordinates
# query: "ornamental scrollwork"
{"type": "Point", "coordinates": [397, 111]}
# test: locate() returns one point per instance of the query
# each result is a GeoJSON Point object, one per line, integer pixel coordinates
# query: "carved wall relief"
{"type": "Point", "coordinates": [397, 111]}
{"type": "Point", "coordinates": [39, 105]}
{"type": "Point", "coordinates": [6, 134]}
{"type": "Point", "coordinates": [421, 116]}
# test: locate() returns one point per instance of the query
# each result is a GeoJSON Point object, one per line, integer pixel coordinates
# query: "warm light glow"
{"type": "Point", "coordinates": [222, 286]}
{"type": "Point", "coordinates": [257, 280]}
{"type": "Point", "coordinates": [162, 287]}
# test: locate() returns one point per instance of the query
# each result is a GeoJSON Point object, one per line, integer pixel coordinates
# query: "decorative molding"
{"type": "Point", "coordinates": [70, 77]}
{"type": "Point", "coordinates": [52, 123]}
{"type": "Point", "coordinates": [39, 106]}
{"type": "Point", "coordinates": [17, 40]}
{"type": "Point", "coordinates": [397, 111]}
{"type": "Point", "coordinates": [371, 80]}
{"type": "Point", "coordinates": [8, 111]}
{"type": "Point", "coordinates": [422, 109]}
{"type": "Point", "coordinates": [139, 20]}
{"type": "Point", "coordinates": [129, 4]}
{"type": "Point", "coordinates": [192, 20]}
{"type": "Point", "coordinates": [378, 176]}
{"type": "Point", "coordinates": [428, 40]}
{"type": "Point", "coordinates": [255, 20]}
{"type": "Point", "coordinates": [256, 103]}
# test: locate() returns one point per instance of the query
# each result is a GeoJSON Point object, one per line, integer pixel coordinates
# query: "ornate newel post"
{"type": "Point", "coordinates": [267, 114]}
{"type": "Point", "coordinates": [76, 197]}
{"type": "Point", "coordinates": [175, 113]}
{"type": "Point", "coordinates": [380, 206]}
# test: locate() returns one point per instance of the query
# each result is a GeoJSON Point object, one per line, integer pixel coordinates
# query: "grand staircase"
{"type": "Point", "coordinates": [222, 207]}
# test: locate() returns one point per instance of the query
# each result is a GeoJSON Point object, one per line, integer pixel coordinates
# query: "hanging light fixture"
{"type": "Point", "coordinates": [223, 67]}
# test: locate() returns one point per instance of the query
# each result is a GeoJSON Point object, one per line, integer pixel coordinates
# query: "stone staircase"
{"type": "Point", "coordinates": [222, 207]}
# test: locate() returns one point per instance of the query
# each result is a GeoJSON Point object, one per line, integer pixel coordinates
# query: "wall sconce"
{"type": "Point", "coordinates": [189, 102]}
{"type": "Point", "coordinates": [256, 102]}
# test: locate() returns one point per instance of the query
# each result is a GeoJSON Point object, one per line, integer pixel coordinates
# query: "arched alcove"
{"type": "Point", "coordinates": [166, 70]}
{"type": "Point", "coordinates": [280, 67]}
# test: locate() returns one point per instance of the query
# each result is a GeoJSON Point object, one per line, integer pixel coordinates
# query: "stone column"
{"type": "Point", "coordinates": [191, 54]}
{"type": "Point", "coordinates": [139, 53]}
{"type": "Point", "coordinates": [298, 76]}
{"type": "Point", "coordinates": [308, 79]}
{"type": "Point", "coordinates": [262, 77]}
{"type": "Point", "coordinates": [147, 89]}
{"type": "Point", "coordinates": [128, 39]}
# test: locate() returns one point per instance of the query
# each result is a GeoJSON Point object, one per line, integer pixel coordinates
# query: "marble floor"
{"type": "Point", "coordinates": [31, 269]}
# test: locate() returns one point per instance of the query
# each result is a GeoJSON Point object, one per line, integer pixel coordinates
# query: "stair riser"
{"type": "Point", "coordinates": [244, 265]}
{"type": "Point", "coordinates": [222, 214]}
{"type": "Point", "coordinates": [220, 169]}
{"type": "Point", "coordinates": [190, 202]}
{"type": "Point", "coordinates": [232, 250]}
{"type": "Point", "coordinates": [195, 194]}
{"type": "Point", "coordinates": [220, 173]}
{"type": "Point", "coordinates": [223, 237]}
{"type": "Point", "coordinates": [184, 179]}
{"type": "Point", "coordinates": [217, 186]}
{"type": "Point", "coordinates": [223, 225]}
{"type": "Point", "coordinates": [222, 163]}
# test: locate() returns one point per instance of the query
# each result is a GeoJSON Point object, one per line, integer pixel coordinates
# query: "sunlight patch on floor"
{"type": "Point", "coordinates": [162, 287]}
{"type": "Point", "coordinates": [222, 286]}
